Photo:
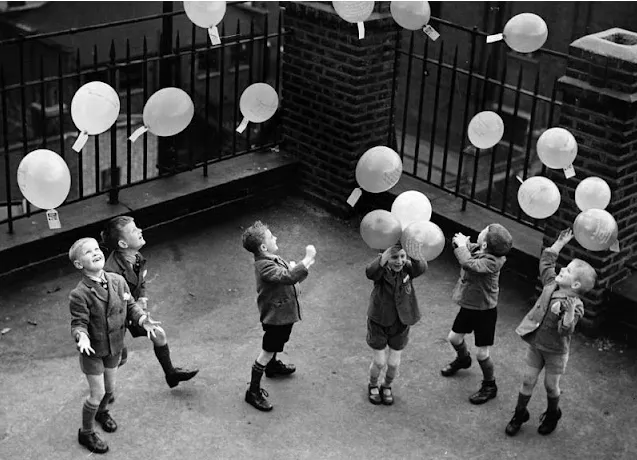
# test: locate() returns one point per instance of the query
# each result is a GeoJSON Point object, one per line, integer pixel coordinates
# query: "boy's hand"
{"type": "Point", "coordinates": [564, 237]}
{"type": "Point", "coordinates": [556, 308]}
{"type": "Point", "coordinates": [460, 240]}
{"type": "Point", "coordinates": [150, 325]}
{"type": "Point", "coordinates": [292, 264]}
{"type": "Point", "coordinates": [143, 301]}
{"type": "Point", "coordinates": [310, 251]}
{"type": "Point", "coordinates": [84, 344]}
{"type": "Point", "coordinates": [384, 257]}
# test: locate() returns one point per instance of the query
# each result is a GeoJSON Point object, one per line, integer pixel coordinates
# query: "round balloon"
{"type": "Point", "coordinates": [485, 129]}
{"type": "Point", "coordinates": [592, 193]}
{"type": "Point", "coordinates": [379, 169]}
{"type": "Point", "coordinates": [595, 230]}
{"type": "Point", "coordinates": [380, 229]}
{"type": "Point", "coordinates": [354, 12]}
{"type": "Point", "coordinates": [205, 14]}
{"type": "Point", "coordinates": [411, 206]}
{"type": "Point", "coordinates": [539, 197]}
{"type": "Point", "coordinates": [44, 179]}
{"type": "Point", "coordinates": [525, 33]}
{"type": "Point", "coordinates": [168, 112]}
{"type": "Point", "coordinates": [95, 107]}
{"type": "Point", "coordinates": [423, 240]}
{"type": "Point", "coordinates": [410, 15]}
{"type": "Point", "coordinates": [259, 102]}
{"type": "Point", "coordinates": [556, 148]}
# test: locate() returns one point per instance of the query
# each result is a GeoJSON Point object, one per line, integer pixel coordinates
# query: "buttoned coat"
{"type": "Point", "coordinates": [277, 293]}
{"type": "Point", "coordinates": [117, 263]}
{"type": "Point", "coordinates": [479, 284]}
{"type": "Point", "coordinates": [101, 313]}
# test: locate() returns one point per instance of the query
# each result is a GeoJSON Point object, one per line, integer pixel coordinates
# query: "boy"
{"type": "Point", "coordinates": [547, 328]}
{"type": "Point", "coordinates": [393, 308]}
{"type": "Point", "coordinates": [100, 305]}
{"type": "Point", "coordinates": [124, 240]}
{"type": "Point", "coordinates": [477, 294]}
{"type": "Point", "coordinates": [277, 299]}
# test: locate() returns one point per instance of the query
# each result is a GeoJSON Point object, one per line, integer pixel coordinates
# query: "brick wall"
{"type": "Point", "coordinates": [337, 95]}
{"type": "Point", "coordinates": [600, 110]}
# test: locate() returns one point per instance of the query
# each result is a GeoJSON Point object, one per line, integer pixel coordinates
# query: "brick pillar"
{"type": "Point", "coordinates": [336, 92]}
{"type": "Point", "coordinates": [600, 109]}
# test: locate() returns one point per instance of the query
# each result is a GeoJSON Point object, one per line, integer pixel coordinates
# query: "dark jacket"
{"type": "Point", "coordinates": [479, 283]}
{"type": "Point", "coordinates": [117, 263]}
{"type": "Point", "coordinates": [277, 295]}
{"type": "Point", "coordinates": [541, 327]}
{"type": "Point", "coordinates": [101, 313]}
{"type": "Point", "coordinates": [393, 296]}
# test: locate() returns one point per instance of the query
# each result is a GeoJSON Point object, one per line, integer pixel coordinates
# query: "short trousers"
{"type": "Point", "coordinates": [480, 322]}
{"type": "Point", "coordinates": [553, 363]}
{"type": "Point", "coordinates": [396, 335]}
{"type": "Point", "coordinates": [275, 337]}
{"type": "Point", "coordinates": [92, 365]}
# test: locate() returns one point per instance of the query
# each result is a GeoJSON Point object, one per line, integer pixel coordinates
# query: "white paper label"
{"type": "Point", "coordinates": [138, 132]}
{"type": "Point", "coordinates": [615, 246]}
{"type": "Point", "coordinates": [354, 197]}
{"type": "Point", "coordinates": [213, 33]}
{"type": "Point", "coordinates": [361, 30]}
{"type": "Point", "coordinates": [431, 32]}
{"type": "Point", "coordinates": [569, 171]}
{"type": "Point", "coordinates": [53, 219]}
{"type": "Point", "coordinates": [519, 179]}
{"type": "Point", "coordinates": [244, 124]}
{"type": "Point", "coordinates": [80, 142]}
{"type": "Point", "coordinates": [494, 38]}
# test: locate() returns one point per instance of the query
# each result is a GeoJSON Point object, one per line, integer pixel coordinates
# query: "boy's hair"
{"type": "Point", "coordinates": [585, 274]}
{"type": "Point", "coordinates": [77, 247]}
{"type": "Point", "coordinates": [113, 231]}
{"type": "Point", "coordinates": [395, 248]}
{"type": "Point", "coordinates": [499, 240]}
{"type": "Point", "coordinates": [254, 236]}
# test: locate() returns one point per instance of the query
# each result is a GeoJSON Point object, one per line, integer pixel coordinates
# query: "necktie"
{"type": "Point", "coordinates": [104, 283]}
{"type": "Point", "coordinates": [138, 263]}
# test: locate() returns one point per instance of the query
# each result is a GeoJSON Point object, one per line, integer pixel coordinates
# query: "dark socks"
{"type": "Point", "coordinates": [88, 415]}
{"type": "Point", "coordinates": [163, 356]}
{"type": "Point", "coordinates": [104, 402]}
{"type": "Point", "coordinates": [257, 373]}
{"type": "Point", "coordinates": [273, 360]}
{"type": "Point", "coordinates": [553, 403]}
{"type": "Point", "coordinates": [461, 349]}
{"type": "Point", "coordinates": [487, 369]}
{"type": "Point", "coordinates": [523, 401]}
{"type": "Point", "coordinates": [390, 374]}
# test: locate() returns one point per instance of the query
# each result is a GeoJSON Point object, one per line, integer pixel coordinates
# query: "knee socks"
{"type": "Point", "coordinates": [553, 403]}
{"type": "Point", "coordinates": [88, 415]}
{"type": "Point", "coordinates": [163, 356]}
{"type": "Point", "coordinates": [523, 401]}
{"type": "Point", "coordinates": [487, 369]}
{"type": "Point", "coordinates": [104, 401]}
{"type": "Point", "coordinates": [390, 375]}
{"type": "Point", "coordinates": [461, 349]}
{"type": "Point", "coordinates": [257, 373]}
{"type": "Point", "coordinates": [374, 373]}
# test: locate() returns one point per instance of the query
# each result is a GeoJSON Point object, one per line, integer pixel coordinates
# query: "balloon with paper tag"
{"type": "Point", "coordinates": [355, 13]}
{"type": "Point", "coordinates": [94, 109]}
{"type": "Point", "coordinates": [44, 179]}
{"type": "Point", "coordinates": [539, 197]}
{"type": "Point", "coordinates": [380, 229]}
{"type": "Point", "coordinates": [411, 206]}
{"type": "Point", "coordinates": [379, 169]}
{"type": "Point", "coordinates": [557, 148]}
{"type": "Point", "coordinates": [258, 103]}
{"type": "Point", "coordinates": [167, 112]}
{"type": "Point", "coordinates": [485, 129]}
{"type": "Point", "coordinates": [423, 241]}
{"type": "Point", "coordinates": [410, 15]}
{"type": "Point", "coordinates": [525, 33]}
{"type": "Point", "coordinates": [592, 193]}
{"type": "Point", "coordinates": [595, 230]}
{"type": "Point", "coordinates": [207, 14]}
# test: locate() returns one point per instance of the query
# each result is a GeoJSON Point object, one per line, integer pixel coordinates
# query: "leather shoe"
{"type": "Point", "coordinates": [92, 442]}
{"type": "Point", "coordinates": [374, 396]}
{"type": "Point", "coordinates": [488, 390]}
{"type": "Point", "coordinates": [549, 421]}
{"type": "Point", "coordinates": [278, 368]}
{"type": "Point", "coordinates": [179, 375]}
{"type": "Point", "coordinates": [455, 365]}
{"type": "Point", "coordinates": [257, 399]}
{"type": "Point", "coordinates": [107, 422]}
{"type": "Point", "coordinates": [519, 417]}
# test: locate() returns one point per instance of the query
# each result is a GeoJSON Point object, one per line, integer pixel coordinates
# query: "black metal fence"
{"type": "Point", "coordinates": [47, 69]}
{"type": "Point", "coordinates": [441, 85]}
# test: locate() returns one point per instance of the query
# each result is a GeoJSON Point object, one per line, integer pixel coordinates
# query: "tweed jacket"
{"type": "Point", "coordinates": [393, 296]}
{"type": "Point", "coordinates": [479, 284]}
{"type": "Point", "coordinates": [541, 327]}
{"type": "Point", "coordinates": [277, 293]}
{"type": "Point", "coordinates": [117, 263]}
{"type": "Point", "coordinates": [101, 313]}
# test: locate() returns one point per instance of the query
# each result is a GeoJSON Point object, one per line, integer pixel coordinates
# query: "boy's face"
{"type": "Point", "coordinates": [90, 257]}
{"type": "Point", "coordinates": [269, 243]}
{"type": "Point", "coordinates": [397, 260]}
{"type": "Point", "coordinates": [567, 278]}
{"type": "Point", "coordinates": [131, 237]}
{"type": "Point", "coordinates": [482, 237]}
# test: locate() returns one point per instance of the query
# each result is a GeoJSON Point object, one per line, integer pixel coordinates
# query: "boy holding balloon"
{"type": "Point", "coordinates": [547, 328]}
{"type": "Point", "coordinates": [393, 308]}
{"type": "Point", "coordinates": [477, 294]}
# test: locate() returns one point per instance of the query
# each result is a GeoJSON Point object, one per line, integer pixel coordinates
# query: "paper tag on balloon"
{"type": "Point", "coordinates": [244, 124]}
{"type": "Point", "coordinates": [519, 179]}
{"type": "Point", "coordinates": [615, 246]}
{"type": "Point", "coordinates": [569, 171]}
{"type": "Point", "coordinates": [53, 219]}
{"type": "Point", "coordinates": [431, 32]}
{"type": "Point", "coordinates": [494, 38]}
{"type": "Point", "coordinates": [354, 196]}
{"type": "Point", "coordinates": [213, 33]}
{"type": "Point", "coordinates": [361, 30]}
{"type": "Point", "coordinates": [138, 132]}
{"type": "Point", "coordinates": [80, 142]}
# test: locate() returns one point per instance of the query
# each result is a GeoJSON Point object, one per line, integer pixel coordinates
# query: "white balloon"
{"type": "Point", "coordinates": [259, 102]}
{"type": "Point", "coordinates": [556, 148]}
{"type": "Point", "coordinates": [592, 193]}
{"type": "Point", "coordinates": [525, 33]}
{"type": "Point", "coordinates": [206, 14]}
{"type": "Point", "coordinates": [95, 107]}
{"type": "Point", "coordinates": [44, 179]}
{"type": "Point", "coordinates": [411, 206]}
{"type": "Point", "coordinates": [485, 129]}
{"type": "Point", "coordinates": [539, 197]}
{"type": "Point", "coordinates": [412, 15]}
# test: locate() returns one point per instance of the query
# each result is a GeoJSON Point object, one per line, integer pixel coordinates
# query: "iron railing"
{"type": "Point", "coordinates": [36, 103]}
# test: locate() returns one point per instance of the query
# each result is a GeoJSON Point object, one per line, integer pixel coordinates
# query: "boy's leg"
{"type": "Point", "coordinates": [174, 375]}
{"type": "Point", "coordinates": [379, 360]}
{"type": "Point", "coordinates": [95, 377]}
{"type": "Point", "coordinates": [393, 363]}
{"type": "Point", "coordinates": [555, 367]}
{"type": "Point", "coordinates": [102, 416]}
{"type": "Point", "coordinates": [534, 364]}
{"type": "Point", "coordinates": [255, 395]}
{"type": "Point", "coordinates": [275, 367]}
{"type": "Point", "coordinates": [461, 325]}
{"type": "Point", "coordinates": [488, 390]}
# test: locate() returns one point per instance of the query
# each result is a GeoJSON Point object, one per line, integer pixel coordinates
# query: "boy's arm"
{"type": "Point", "coordinates": [79, 314]}
{"type": "Point", "coordinates": [374, 270]}
{"type": "Point", "coordinates": [482, 265]}
{"type": "Point", "coordinates": [574, 311]}
{"type": "Point", "coordinates": [415, 267]}
{"type": "Point", "coordinates": [271, 272]}
{"type": "Point", "coordinates": [549, 256]}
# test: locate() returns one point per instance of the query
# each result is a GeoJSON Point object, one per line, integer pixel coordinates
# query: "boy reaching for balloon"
{"type": "Point", "coordinates": [393, 308]}
{"type": "Point", "coordinates": [476, 293]}
{"type": "Point", "coordinates": [547, 328]}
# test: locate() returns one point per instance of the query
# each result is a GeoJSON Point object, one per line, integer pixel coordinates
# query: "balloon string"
{"type": "Point", "coordinates": [361, 30]}
{"type": "Point", "coordinates": [80, 141]}
{"type": "Point", "coordinates": [138, 132]}
{"type": "Point", "coordinates": [242, 127]}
